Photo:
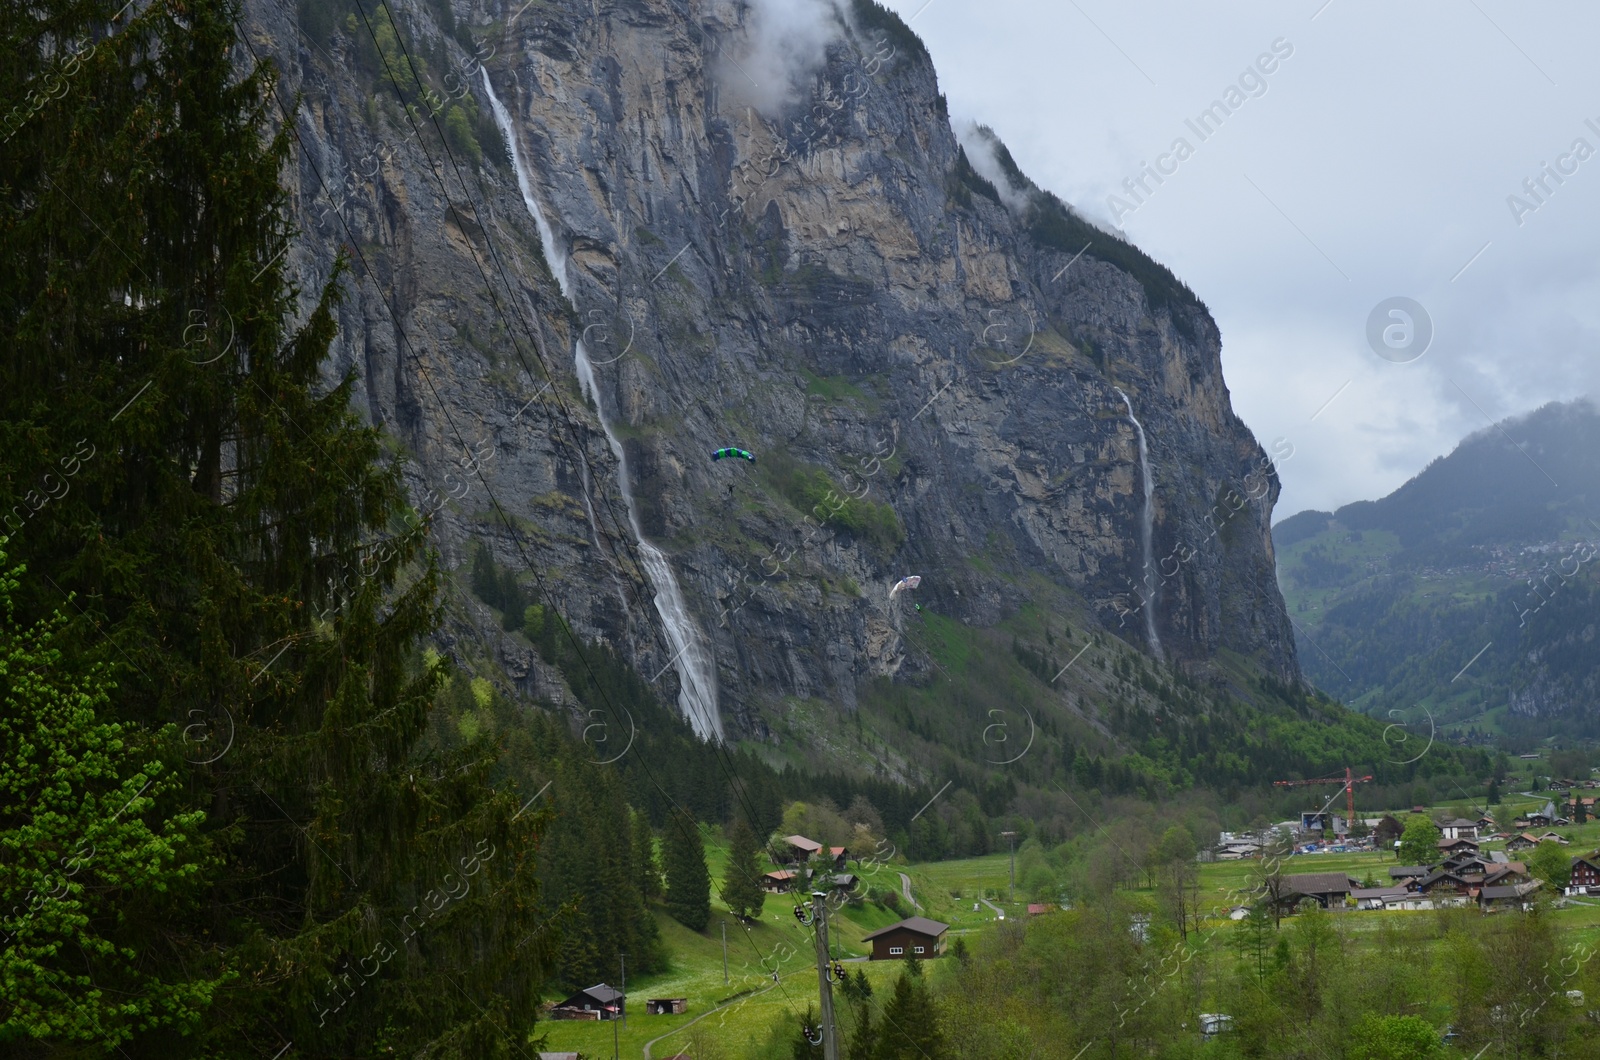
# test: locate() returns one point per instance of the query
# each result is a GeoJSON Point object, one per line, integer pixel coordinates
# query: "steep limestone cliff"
{"type": "Point", "coordinates": [815, 273]}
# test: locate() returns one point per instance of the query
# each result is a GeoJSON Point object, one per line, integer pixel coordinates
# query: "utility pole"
{"type": "Point", "coordinates": [1013, 837]}
{"type": "Point", "coordinates": [724, 953]}
{"type": "Point", "coordinates": [624, 957]}
{"type": "Point", "coordinates": [819, 915]}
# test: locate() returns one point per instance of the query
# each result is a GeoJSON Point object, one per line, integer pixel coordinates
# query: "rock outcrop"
{"type": "Point", "coordinates": [823, 280]}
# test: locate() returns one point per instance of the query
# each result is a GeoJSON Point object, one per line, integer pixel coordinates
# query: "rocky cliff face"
{"type": "Point", "coordinates": [812, 272]}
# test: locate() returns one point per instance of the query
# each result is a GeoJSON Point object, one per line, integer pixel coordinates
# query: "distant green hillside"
{"type": "Point", "coordinates": [1489, 550]}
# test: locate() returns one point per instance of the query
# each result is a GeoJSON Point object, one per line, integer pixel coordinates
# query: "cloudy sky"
{"type": "Point", "coordinates": [1374, 162]}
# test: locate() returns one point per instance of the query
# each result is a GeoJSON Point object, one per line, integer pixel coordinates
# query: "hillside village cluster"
{"type": "Point", "coordinates": [1463, 874]}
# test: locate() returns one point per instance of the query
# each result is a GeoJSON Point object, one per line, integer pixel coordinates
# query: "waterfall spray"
{"type": "Point", "coordinates": [1145, 527]}
{"type": "Point", "coordinates": [697, 697]}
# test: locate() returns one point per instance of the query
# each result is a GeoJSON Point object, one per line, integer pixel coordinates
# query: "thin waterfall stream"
{"type": "Point", "coordinates": [697, 696]}
{"type": "Point", "coordinates": [1148, 604]}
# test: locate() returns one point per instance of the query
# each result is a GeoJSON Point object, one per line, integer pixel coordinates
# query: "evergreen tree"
{"type": "Point", "coordinates": [910, 1029]}
{"type": "Point", "coordinates": [688, 881]}
{"type": "Point", "coordinates": [741, 887]}
{"type": "Point", "coordinates": [647, 865]}
{"type": "Point", "coordinates": [215, 510]}
{"type": "Point", "coordinates": [863, 1043]}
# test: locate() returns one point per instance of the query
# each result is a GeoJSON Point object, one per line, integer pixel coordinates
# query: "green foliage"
{"type": "Point", "coordinates": [741, 886]}
{"type": "Point", "coordinates": [1419, 843]}
{"type": "Point", "coordinates": [811, 490]}
{"type": "Point", "coordinates": [1053, 224]}
{"type": "Point", "coordinates": [648, 863]}
{"type": "Point", "coordinates": [910, 1026]}
{"type": "Point", "coordinates": [500, 589]}
{"type": "Point", "coordinates": [221, 542]}
{"type": "Point", "coordinates": [94, 860]}
{"type": "Point", "coordinates": [688, 880]}
{"type": "Point", "coordinates": [875, 18]}
{"type": "Point", "coordinates": [1549, 862]}
{"type": "Point", "coordinates": [1394, 1038]}
{"type": "Point", "coordinates": [965, 181]}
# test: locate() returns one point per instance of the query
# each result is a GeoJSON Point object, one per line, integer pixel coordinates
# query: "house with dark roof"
{"type": "Point", "coordinates": [1328, 888]}
{"type": "Point", "coordinates": [915, 936]}
{"type": "Point", "coordinates": [797, 848]}
{"type": "Point", "coordinates": [1585, 877]}
{"type": "Point", "coordinates": [1459, 828]}
{"type": "Point", "coordinates": [1458, 846]}
{"type": "Point", "coordinates": [598, 1002]}
{"type": "Point", "coordinates": [1445, 888]}
{"type": "Point", "coordinates": [1403, 873]}
{"type": "Point", "coordinates": [1511, 896]}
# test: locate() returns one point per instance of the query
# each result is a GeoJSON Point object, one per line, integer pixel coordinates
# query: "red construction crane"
{"type": "Point", "coordinates": [1347, 780]}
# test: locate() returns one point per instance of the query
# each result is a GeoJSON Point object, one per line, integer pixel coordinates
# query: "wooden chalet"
{"type": "Point", "coordinates": [1328, 888]}
{"type": "Point", "coordinates": [840, 856]}
{"type": "Point", "coordinates": [915, 936]}
{"type": "Point", "coordinates": [1585, 877]}
{"type": "Point", "coordinates": [797, 849]}
{"type": "Point", "coordinates": [1510, 896]}
{"type": "Point", "coordinates": [598, 1002]}
{"type": "Point", "coordinates": [1459, 828]}
{"type": "Point", "coordinates": [1443, 887]}
{"type": "Point", "coordinates": [1525, 841]}
{"type": "Point", "coordinates": [1408, 873]}
{"type": "Point", "coordinates": [845, 882]}
{"type": "Point", "coordinates": [777, 881]}
{"type": "Point", "coordinates": [1458, 846]}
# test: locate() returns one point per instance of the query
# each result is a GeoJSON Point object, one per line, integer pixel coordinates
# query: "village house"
{"type": "Point", "coordinates": [1445, 888]}
{"type": "Point", "coordinates": [1459, 828]}
{"type": "Point", "coordinates": [1448, 847]}
{"type": "Point", "coordinates": [598, 1002]}
{"type": "Point", "coordinates": [915, 936]}
{"type": "Point", "coordinates": [845, 883]}
{"type": "Point", "coordinates": [1512, 896]}
{"type": "Point", "coordinates": [1524, 841]}
{"type": "Point", "coordinates": [1378, 897]}
{"type": "Point", "coordinates": [1509, 873]}
{"type": "Point", "coordinates": [777, 881]}
{"type": "Point", "coordinates": [840, 855]}
{"type": "Point", "coordinates": [1408, 873]}
{"type": "Point", "coordinates": [1328, 888]}
{"type": "Point", "coordinates": [1585, 875]}
{"type": "Point", "coordinates": [795, 849]}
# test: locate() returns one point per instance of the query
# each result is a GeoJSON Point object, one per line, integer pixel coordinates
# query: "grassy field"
{"type": "Point", "coordinates": [742, 1012]}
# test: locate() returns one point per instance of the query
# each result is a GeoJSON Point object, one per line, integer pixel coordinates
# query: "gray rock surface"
{"type": "Point", "coordinates": [815, 285]}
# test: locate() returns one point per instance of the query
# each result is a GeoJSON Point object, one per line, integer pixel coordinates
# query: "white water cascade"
{"type": "Point", "coordinates": [697, 697]}
{"type": "Point", "coordinates": [1145, 528]}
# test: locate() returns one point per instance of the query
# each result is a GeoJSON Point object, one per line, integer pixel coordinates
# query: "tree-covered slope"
{"type": "Point", "coordinates": [1468, 595]}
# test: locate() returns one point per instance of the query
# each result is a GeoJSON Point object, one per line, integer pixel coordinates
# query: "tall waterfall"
{"type": "Point", "coordinates": [1145, 527]}
{"type": "Point", "coordinates": [697, 697]}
